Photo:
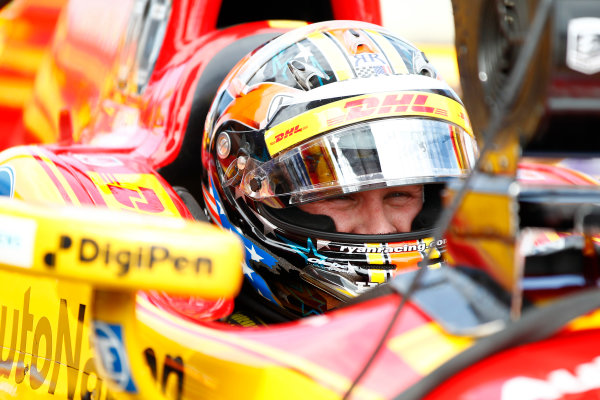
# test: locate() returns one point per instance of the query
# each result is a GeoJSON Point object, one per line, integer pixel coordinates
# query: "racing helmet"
{"type": "Point", "coordinates": [329, 109]}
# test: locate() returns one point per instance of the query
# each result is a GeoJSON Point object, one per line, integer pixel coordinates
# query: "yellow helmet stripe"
{"type": "Point", "coordinates": [377, 275]}
{"type": "Point", "coordinates": [389, 51]}
{"type": "Point", "coordinates": [375, 258]}
{"type": "Point", "coordinates": [335, 57]}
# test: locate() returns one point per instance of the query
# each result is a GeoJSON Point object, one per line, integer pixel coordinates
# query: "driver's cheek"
{"type": "Point", "coordinates": [345, 221]}
{"type": "Point", "coordinates": [401, 219]}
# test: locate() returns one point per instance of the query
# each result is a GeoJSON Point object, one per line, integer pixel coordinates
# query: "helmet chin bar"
{"type": "Point", "coordinates": [339, 286]}
{"type": "Point", "coordinates": [336, 285]}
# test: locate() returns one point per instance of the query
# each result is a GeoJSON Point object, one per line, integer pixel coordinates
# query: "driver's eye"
{"type": "Point", "coordinates": [400, 197]}
{"type": "Point", "coordinates": [398, 194]}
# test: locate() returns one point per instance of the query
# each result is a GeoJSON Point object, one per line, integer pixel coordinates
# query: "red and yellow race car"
{"type": "Point", "coordinates": [112, 288]}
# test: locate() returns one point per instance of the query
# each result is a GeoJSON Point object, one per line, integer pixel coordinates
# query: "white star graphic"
{"type": "Point", "coordinates": [248, 271]}
{"type": "Point", "coordinates": [304, 52]}
{"type": "Point", "coordinates": [253, 254]}
{"type": "Point", "coordinates": [267, 226]}
{"type": "Point", "coordinates": [219, 207]}
{"type": "Point", "coordinates": [322, 243]}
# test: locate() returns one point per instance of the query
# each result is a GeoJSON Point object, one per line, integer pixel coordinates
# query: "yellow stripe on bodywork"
{"type": "Point", "coordinates": [390, 52]}
{"type": "Point", "coordinates": [21, 58]}
{"type": "Point", "coordinates": [39, 125]}
{"type": "Point", "coordinates": [589, 321]}
{"type": "Point", "coordinates": [362, 108]}
{"type": "Point", "coordinates": [36, 185]}
{"type": "Point", "coordinates": [427, 347]}
{"type": "Point", "coordinates": [15, 92]}
{"type": "Point", "coordinates": [286, 24]}
{"type": "Point", "coordinates": [248, 356]}
{"type": "Point", "coordinates": [336, 59]}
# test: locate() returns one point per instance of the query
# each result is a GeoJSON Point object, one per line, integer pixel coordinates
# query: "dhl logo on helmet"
{"type": "Point", "coordinates": [362, 108]}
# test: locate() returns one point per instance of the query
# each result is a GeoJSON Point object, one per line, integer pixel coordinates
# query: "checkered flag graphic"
{"type": "Point", "coordinates": [366, 72]}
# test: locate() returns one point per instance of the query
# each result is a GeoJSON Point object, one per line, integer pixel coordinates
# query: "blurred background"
{"type": "Point", "coordinates": [429, 25]}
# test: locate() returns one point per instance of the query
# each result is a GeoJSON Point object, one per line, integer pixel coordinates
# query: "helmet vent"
{"type": "Point", "coordinates": [356, 42]}
{"type": "Point", "coordinates": [306, 75]}
{"type": "Point", "coordinates": [296, 64]}
{"type": "Point", "coordinates": [426, 71]}
{"type": "Point", "coordinates": [223, 145]}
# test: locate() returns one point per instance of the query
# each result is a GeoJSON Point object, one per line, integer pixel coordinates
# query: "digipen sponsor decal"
{"type": "Point", "coordinates": [558, 383]}
{"type": "Point", "coordinates": [111, 349]}
{"type": "Point", "coordinates": [43, 351]}
{"type": "Point", "coordinates": [123, 259]}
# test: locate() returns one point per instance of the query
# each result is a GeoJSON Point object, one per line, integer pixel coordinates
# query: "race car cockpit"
{"type": "Point", "coordinates": [103, 233]}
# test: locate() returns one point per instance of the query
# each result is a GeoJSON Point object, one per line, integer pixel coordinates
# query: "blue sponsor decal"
{"type": "Point", "coordinates": [7, 181]}
{"type": "Point", "coordinates": [111, 349]}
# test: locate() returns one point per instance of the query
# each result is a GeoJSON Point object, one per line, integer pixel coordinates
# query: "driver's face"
{"type": "Point", "coordinates": [379, 211]}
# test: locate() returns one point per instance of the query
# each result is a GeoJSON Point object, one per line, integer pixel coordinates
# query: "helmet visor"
{"type": "Point", "coordinates": [370, 155]}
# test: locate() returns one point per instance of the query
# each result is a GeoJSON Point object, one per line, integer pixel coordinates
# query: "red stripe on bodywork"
{"type": "Point", "coordinates": [54, 179]}
{"type": "Point", "coordinates": [91, 189]}
{"type": "Point", "coordinates": [85, 190]}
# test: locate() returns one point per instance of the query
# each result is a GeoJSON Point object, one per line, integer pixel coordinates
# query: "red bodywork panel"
{"type": "Point", "coordinates": [563, 367]}
{"type": "Point", "coordinates": [78, 78]}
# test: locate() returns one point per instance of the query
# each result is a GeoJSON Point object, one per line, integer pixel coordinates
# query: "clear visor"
{"type": "Point", "coordinates": [370, 155]}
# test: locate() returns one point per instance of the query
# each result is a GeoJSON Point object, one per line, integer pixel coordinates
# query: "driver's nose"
{"type": "Point", "coordinates": [376, 221]}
